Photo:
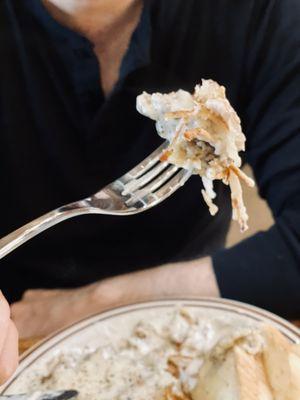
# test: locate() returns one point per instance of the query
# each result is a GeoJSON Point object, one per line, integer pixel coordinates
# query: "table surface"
{"type": "Point", "coordinates": [25, 344]}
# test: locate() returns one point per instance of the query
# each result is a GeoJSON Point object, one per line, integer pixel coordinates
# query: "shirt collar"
{"type": "Point", "coordinates": [137, 55]}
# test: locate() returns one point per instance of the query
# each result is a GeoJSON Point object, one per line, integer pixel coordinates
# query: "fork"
{"type": "Point", "coordinates": [143, 187]}
{"type": "Point", "coordinates": [54, 395]}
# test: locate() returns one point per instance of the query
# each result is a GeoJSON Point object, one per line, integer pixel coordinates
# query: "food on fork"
{"type": "Point", "coordinates": [205, 137]}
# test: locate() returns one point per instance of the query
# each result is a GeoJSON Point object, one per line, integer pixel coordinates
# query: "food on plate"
{"type": "Point", "coordinates": [239, 375]}
{"type": "Point", "coordinates": [180, 355]}
{"type": "Point", "coordinates": [267, 372]}
{"type": "Point", "coordinates": [205, 137]}
{"type": "Point", "coordinates": [282, 362]}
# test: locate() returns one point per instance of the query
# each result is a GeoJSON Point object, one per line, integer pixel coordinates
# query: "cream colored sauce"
{"type": "Point", "coordinates": [136, 367]}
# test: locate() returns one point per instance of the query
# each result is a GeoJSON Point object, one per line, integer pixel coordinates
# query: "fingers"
{"type": "Point", "coordinates": [9, 355]}
{"type": "Point", "coordinates": [4, 319]}
{"type": "Point", "coordinates": [8, 342]}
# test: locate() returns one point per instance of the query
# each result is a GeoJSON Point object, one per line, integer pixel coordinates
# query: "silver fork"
{"type": "Point", "coordinates": [145, 186]}
{"type": "Point", "coordinates": [54, 395]}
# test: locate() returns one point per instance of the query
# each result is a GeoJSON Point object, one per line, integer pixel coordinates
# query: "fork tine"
{"type": "Point", "coordinates": [175, 183]}
{"type": "Point", "coordinates": [145, 165]}
{"type": "Point", "coordinates": [157, 183]}
{"type": "Point", "coordinates": [150, 199]}
{"type": "Point", "coordinates": [135, 184]}
{"type": "Point", "coordinates": [153, 185]}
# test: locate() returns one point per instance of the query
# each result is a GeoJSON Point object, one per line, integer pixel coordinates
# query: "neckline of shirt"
{"type": "Point", "coordinates": [137, 55]}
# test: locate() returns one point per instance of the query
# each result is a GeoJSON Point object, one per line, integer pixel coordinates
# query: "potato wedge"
{"type": "Point", "coordinates": [296, 349]}
{"type": "Point", "coordinates": [239, 376]}
{"type": "Point", "coordinates": [217, 380]}
{"type": "Point", "coordinates": [282, 365]}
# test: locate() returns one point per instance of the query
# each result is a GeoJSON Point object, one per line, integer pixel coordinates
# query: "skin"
{"type": "Point", "coordinates": [109, 26]}
{"type": "Point", "coordinates": [8, 342]}
{"type": "Point", "coordinates": [63, 307]}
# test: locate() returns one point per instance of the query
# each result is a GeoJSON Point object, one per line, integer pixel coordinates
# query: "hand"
{"type": "Point", "coordinates": [8, 342]}
{"type": "Point", "coordinates": [41, 312]}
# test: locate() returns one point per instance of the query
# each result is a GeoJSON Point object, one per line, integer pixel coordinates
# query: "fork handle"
{"type": "Point", "coordinates": [19, 236]}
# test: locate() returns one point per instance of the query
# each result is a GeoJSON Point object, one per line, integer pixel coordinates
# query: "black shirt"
{"type": "Point", "coordinates": [62, 140]}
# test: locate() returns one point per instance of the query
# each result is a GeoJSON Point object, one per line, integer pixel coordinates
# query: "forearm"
{"type": "Point", "coordinates": [63, 307]}
{"type": "Point", "coordinates": [193, 278]}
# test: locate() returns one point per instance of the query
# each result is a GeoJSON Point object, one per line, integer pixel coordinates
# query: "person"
{"type": "Point", "coordinates": [70, 74]}
{"type": "Point", "coordinates": [8, 342]}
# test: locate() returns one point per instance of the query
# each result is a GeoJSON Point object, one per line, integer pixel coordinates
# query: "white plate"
{"type": "Point", "coordinates": [100, 329]}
